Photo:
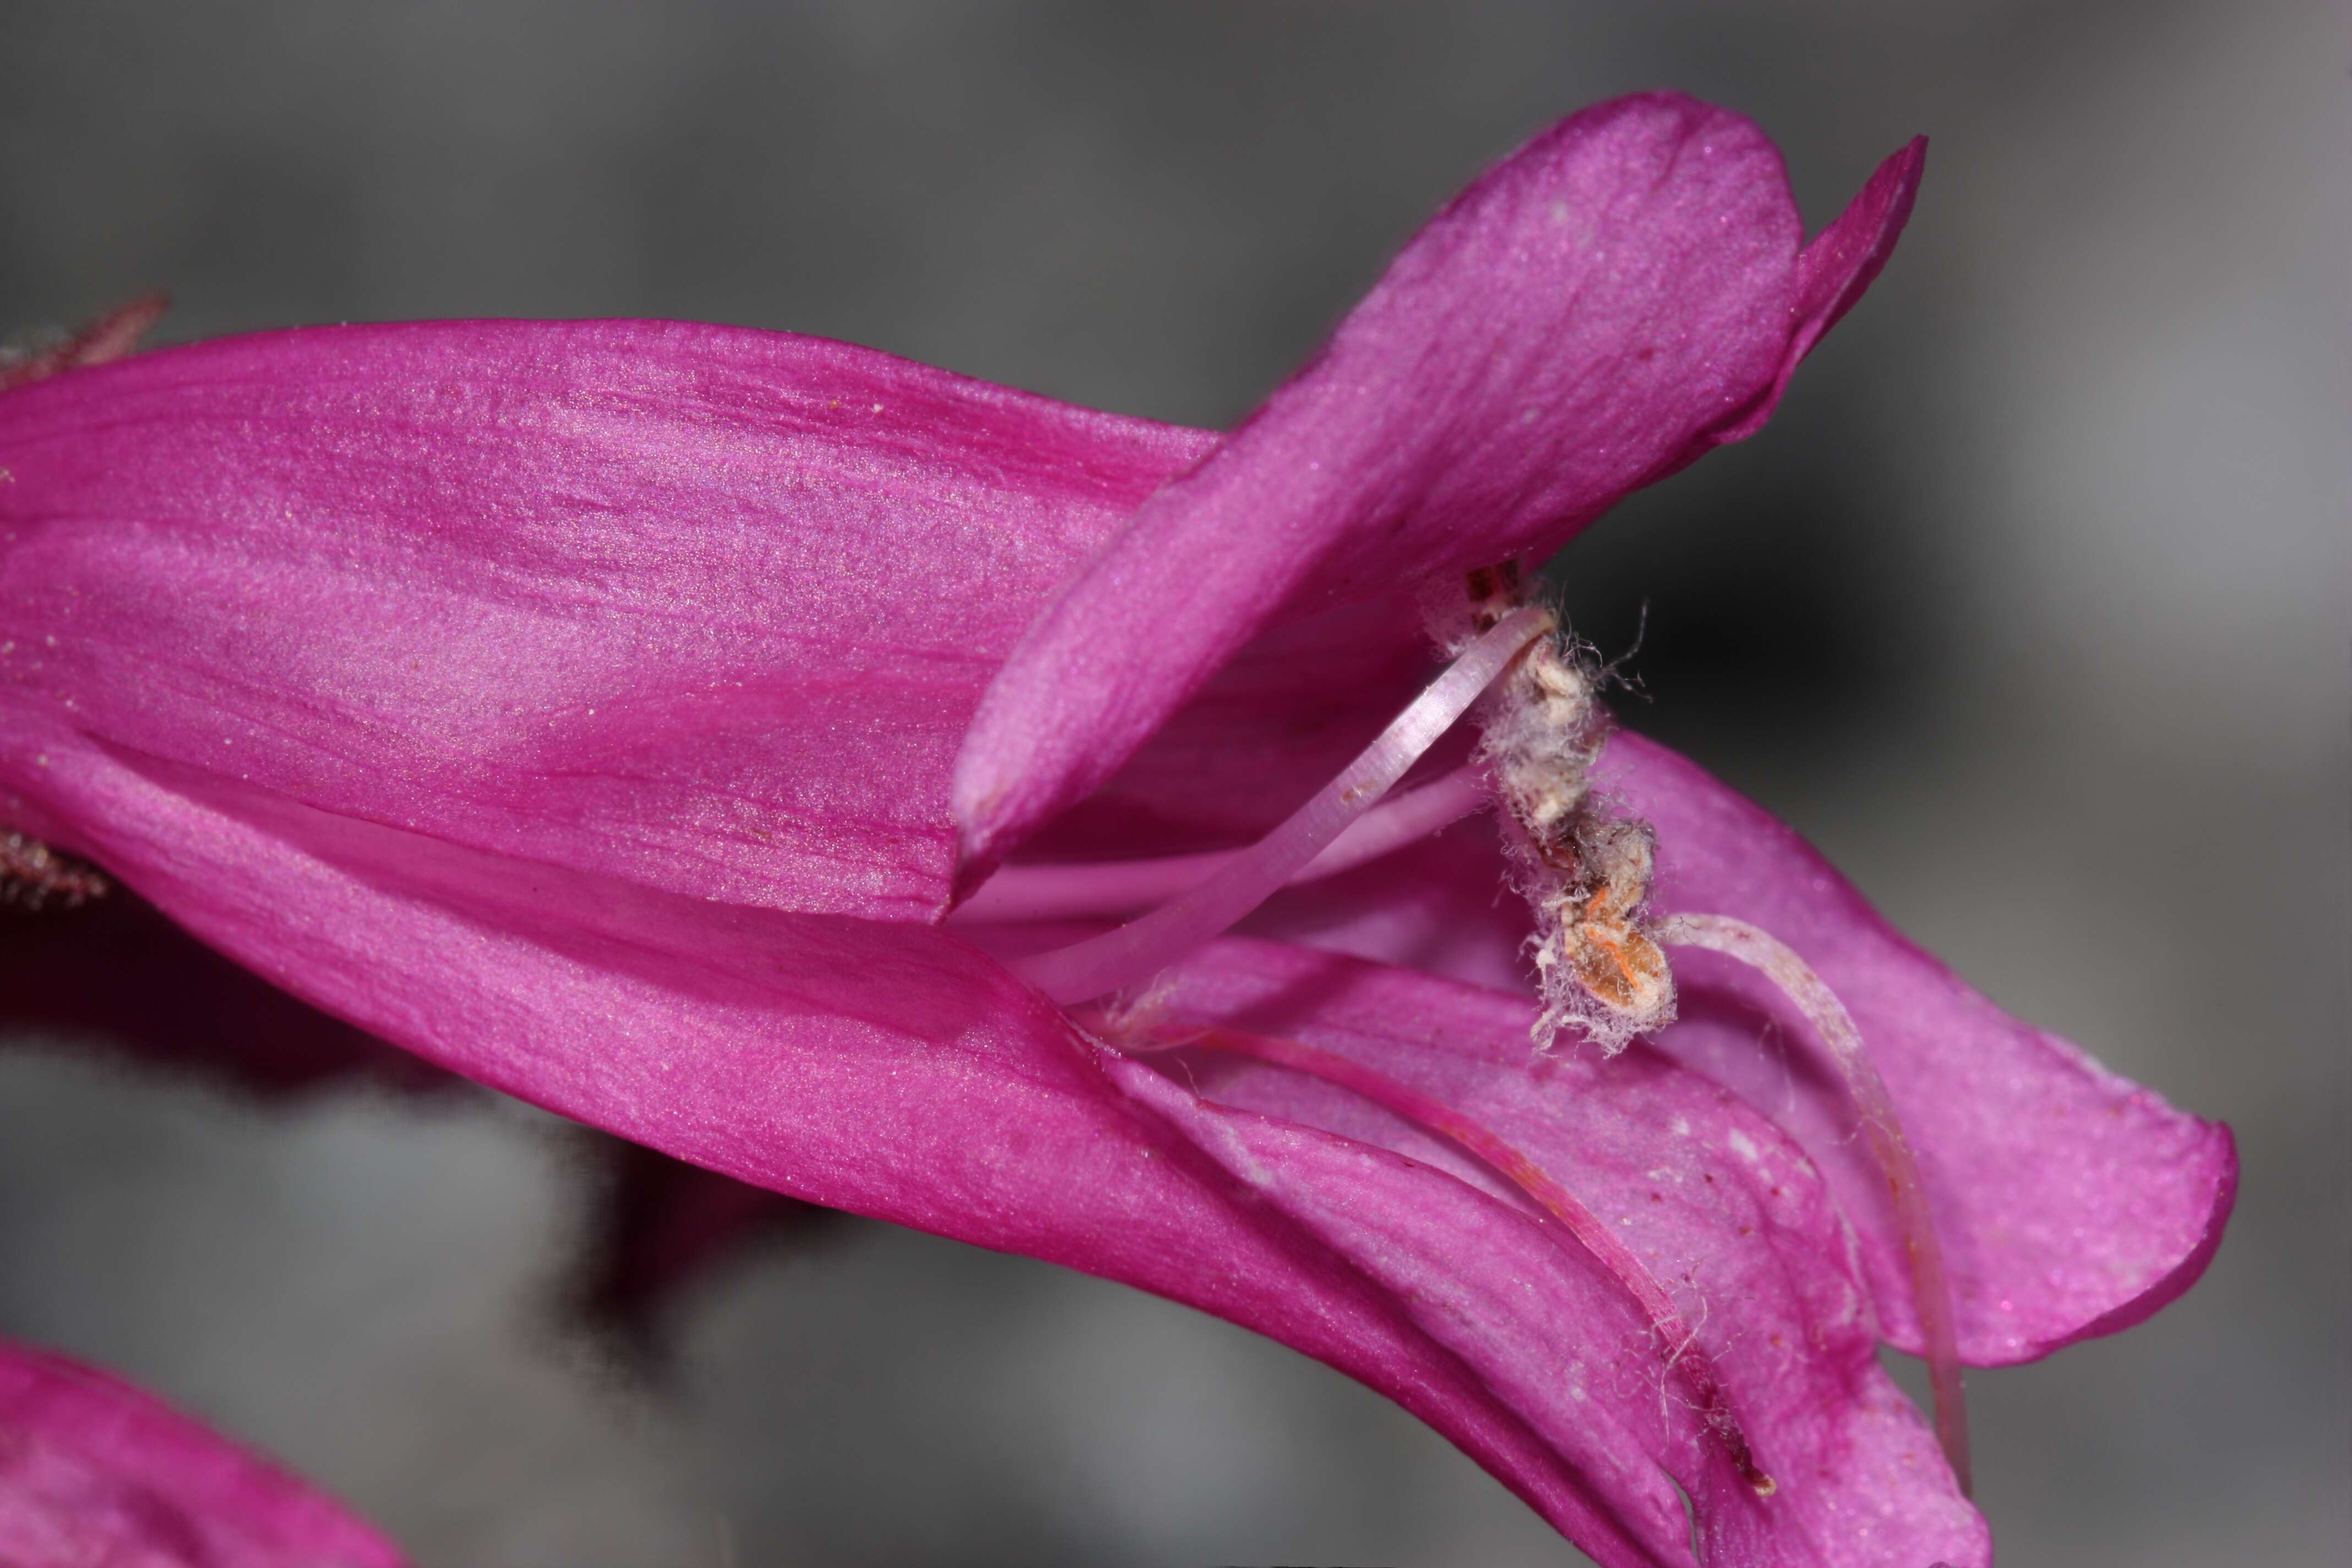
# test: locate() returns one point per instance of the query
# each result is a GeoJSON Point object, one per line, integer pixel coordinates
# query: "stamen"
{"type": "Point", "coordinates": [1077, 890]}
{"type": "Point", "coordinates": [1584, 875]}
{"type": "Point", "coordinates": [1676, 1337]}
{"type": "Point", "coordinates": [1142, 948]}
{"type": "Point", "coordinates": [1931, 1288]}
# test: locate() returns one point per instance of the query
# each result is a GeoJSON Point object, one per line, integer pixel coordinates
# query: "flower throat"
{"type": "Point", "coordinates": [1597, 951]}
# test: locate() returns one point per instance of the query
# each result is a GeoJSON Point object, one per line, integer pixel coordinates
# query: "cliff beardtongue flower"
{"type": "Point", "coordinates": [93, 1471]}
{"type": "Point", "coordinates": [582, 706]}
{"type": "Point", "coordinates": [1626, 291]}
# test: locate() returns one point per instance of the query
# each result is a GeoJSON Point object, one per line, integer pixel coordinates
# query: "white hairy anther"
{"type": "Point", "coordinates": [1585, 876]}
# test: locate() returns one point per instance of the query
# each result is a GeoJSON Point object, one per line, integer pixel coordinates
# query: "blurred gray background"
{"type": "Point", "coordinates": [2029, 608]}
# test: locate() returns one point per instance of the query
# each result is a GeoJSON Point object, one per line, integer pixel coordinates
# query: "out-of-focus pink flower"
{"type": "Point", "coordinates": [614, 711]}
{"type": "Point", "coordinates": [92, 1471]}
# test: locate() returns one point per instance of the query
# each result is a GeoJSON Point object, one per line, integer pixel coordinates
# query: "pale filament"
{"type": "Point", "coordinates": [1339, 829]}
{"type": "Point", "coordinates": [1142, 948]}
{"type": "Point", "coordinates": [1677, 1340]}
{"type": "Point", "coordinates": [1077, 890]}
{"type": "Point", "coordinates": [1931, 1287]}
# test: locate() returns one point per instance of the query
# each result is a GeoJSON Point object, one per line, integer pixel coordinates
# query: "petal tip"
{"type": "Point", "coordinates": [1835, 270]}
{"type": "Point", "coordinates": [2221, 1157]}
{"type": "Point", "coordinates": [1841, 262]}
{"type": "Point", "coordinates": [978, 799]}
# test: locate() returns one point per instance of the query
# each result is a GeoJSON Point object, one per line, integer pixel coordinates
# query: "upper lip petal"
{"type": "Point", "coordinates": [1620, 294]}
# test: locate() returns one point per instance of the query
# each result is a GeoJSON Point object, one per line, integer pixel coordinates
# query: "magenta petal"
{"type": "Point", "coordinates": [1845, 258]}
{"type": "Point", "coordinates": [2070, 1201]}
{"type": "Point", "coordinates": [889, 1069]}
{"type": "Point", "coordinates": [1584, 319]}
{"type": "Point", "coordinates": [1836, 268]}
{"type": "Point", "coordinates": [703, 607]}
{"type": "Point", "coordinates": [706, 608]}
{"type": "Point", "coordinates": [93, 1472]}
{"type": "Point", "coordinates": [1727, 1212]}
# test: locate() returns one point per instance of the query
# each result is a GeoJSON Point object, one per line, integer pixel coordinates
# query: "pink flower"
{"type": "Point", "coordinates": [93, 1471]}
{"type": "Point", "coordinates": [613, 712]}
